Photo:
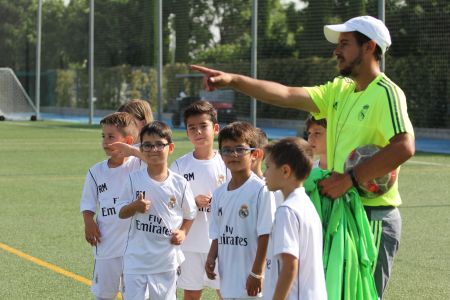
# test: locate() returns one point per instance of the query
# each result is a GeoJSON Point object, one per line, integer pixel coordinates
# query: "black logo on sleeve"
{"type": "Point", "coordinates": [189, 176]}
{"type": "Point", "coordinates": [102, 187]}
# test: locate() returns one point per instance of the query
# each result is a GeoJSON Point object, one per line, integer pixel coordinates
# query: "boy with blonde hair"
{"type": "Point", "coordinates": [205, 171]}
{"type": "Point", "coordinates": [140, 110]}
{"type": "Point", "coordinates": [102, 189]}
{"type": "Point", "coordinates": [161, 215]}
{"type": "Point", "coordinates": [242, 215]}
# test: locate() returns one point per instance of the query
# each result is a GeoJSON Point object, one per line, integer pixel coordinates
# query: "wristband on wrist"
{"type": "Point", "coordinates": [256, 275]}
{"type": "Point", "coordinates": [355, 183]}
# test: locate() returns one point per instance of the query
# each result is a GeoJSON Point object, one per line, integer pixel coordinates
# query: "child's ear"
{"type": "Point", "coordinates": [171, 147]}
{"type": "Point", "coordinates": [255, 154]}
{"type": "Point", "coordinates": [286, 169]}
{"type": "Point", "coordinates": [216, 128]}
{"type": "Point", "coordinates": [259, 153]}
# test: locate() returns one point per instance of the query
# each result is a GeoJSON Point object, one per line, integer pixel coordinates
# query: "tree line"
{"type": "Point", "coordinates": [218, 33]}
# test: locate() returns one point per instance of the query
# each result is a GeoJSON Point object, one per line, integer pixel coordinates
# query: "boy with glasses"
{"type": "Point", "coordinates": [242, 215]}
{"type": "Point", "coordinates": [102, 188]}
{"type": "Point", "coordinates": [205, 170]}
{"type": "Point", "coordinates": [161, 216]}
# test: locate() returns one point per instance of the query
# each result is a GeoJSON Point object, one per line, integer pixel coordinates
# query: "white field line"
{"type": "Point", "coordinates": [427, 163]}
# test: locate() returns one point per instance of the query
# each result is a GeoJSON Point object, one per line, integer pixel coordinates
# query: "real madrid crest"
{"type": "Point", "coordinates": [220, 179]}
{"type": "Point", "coordinates": [172, 202]}
{"type": "Point", "coordinates": [243, 211]}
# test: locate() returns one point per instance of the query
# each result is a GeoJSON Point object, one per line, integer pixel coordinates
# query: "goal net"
{"type": "Point", "coordinates": [15, 104]}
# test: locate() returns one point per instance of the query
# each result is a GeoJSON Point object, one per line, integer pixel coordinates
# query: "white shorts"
{"type": "Point", "coordinates": [107, 277]}
{"type": "Point", "coordinates": [192, 273]}
{"type": "Point", "coordinates": [161, 286]}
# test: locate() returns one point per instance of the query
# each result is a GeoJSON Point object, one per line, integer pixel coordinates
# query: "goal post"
{"type": "Point", "coordinates": [15, 104]}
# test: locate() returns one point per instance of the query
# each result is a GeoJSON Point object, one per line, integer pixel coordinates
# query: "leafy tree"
{"type": "Point", "coordinates": [310, 41]}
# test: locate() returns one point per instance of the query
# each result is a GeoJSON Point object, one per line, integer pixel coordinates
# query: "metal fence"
{"type": "Point", "coordinates": [280, 40]}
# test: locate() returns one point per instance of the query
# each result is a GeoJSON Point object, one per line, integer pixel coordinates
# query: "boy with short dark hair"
{"type": "Point", "coordinates": [205, 171]}
{"type": "Point", "coordinates": [102, 189]}
{"type": "Point", "coordinates": [262, 141]}
{"type": "Point", "coordinates": [316, 131]}
{"type": "Point", "coordinates": [160, 216]}
{"type": "Point", "coordinates": [242, 215]}
{"type": "Point", "coordinates": [294, 265]}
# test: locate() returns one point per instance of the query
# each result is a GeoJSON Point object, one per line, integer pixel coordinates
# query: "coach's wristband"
{"type": "Point", "coordinates": [355, 183]}
{"type": "Point", "coordinates": [259, 277]}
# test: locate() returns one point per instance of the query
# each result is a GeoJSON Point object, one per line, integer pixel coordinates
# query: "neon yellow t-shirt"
{"type": "Point", "coordinates": [354, 119]}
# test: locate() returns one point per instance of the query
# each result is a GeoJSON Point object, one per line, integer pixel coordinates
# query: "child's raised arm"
{"type": "Point", "coordinates": [126, 150]}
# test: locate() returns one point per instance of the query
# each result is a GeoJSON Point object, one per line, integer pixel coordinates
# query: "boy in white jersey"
{"type": "Point", "coordinates": [160, 216]}
{"type": "Point", "coordinates": [294, 265]}
{"type": "Point", "coordinates": [258, 160]}
{"type": "Point", "coordinates": [257, 163]}
{"type": "Point", "coordinates": [102, 188]}
{"type": "Point", "coordinates": [205, 171]}
{"type": "Point", "coordinates": [242, 215]}
{"type": "Point", "coordinates": [140, 110]}
{"type": "Point", "coordinates": [316, 130]}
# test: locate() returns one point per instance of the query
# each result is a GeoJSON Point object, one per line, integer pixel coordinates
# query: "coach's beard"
{"type": "Point", "coordinates": [347, 72]}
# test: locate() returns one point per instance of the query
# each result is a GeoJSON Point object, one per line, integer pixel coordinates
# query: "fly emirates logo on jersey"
{"type": "Point", "coordinates": [228, 238]}
{"type": "Point", "coordinates": [154, 225]}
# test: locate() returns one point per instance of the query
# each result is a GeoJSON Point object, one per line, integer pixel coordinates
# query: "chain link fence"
{"type": "Point", "coordinates": [291, 49]}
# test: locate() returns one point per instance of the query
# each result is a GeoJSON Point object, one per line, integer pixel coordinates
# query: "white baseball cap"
{"type": "Point", "coordinates": [367, 25]}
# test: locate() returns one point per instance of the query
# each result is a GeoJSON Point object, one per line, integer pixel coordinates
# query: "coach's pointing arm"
{"type": "Point", "coordinates": [266, 91]}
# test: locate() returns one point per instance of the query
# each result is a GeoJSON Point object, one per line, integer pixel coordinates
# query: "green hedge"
{"type": "Point", "coordinates": [425, 81]}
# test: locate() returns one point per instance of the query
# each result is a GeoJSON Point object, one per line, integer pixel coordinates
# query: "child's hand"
{"type": "Point", "coordinates": [210, 265]}
{"type": "Point", "coordinates": [141, 205]}
{"type": "Point", "coordinates": [122, 148]}
{"type": "Point", "coordinates": [92, 233]}
{"type": "Point", "coordinates": [202, 201]}
{"type": "Point", "coordinates": [178, 237]}
{"type": "Point", "coordinates": [253, 285]}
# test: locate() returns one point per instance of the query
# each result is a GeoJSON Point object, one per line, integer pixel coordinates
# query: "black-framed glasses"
{"type": "Point", "coordinates": [238, 151]}
{"type": "Point", "coordinates": [158, 147]}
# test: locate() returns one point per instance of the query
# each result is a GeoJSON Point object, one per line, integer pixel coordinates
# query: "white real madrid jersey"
{"type": "Point", "coordinates": [297, 231]}
{"type": "Point", "coordinates": [204, 176]}
{"type": "Point", "coordinates": [148, 250]}
{"type": "Point", "coordinates": [102, 189]}
{"type": "Point", "coordinates": [239, 217]}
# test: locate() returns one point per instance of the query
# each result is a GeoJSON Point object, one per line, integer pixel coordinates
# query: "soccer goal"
{"type": "Point", "coordinates": [15, 104]}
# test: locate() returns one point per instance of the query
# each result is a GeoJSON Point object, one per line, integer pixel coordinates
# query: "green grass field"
{"type": "Point", "coordinates": [42, 170]}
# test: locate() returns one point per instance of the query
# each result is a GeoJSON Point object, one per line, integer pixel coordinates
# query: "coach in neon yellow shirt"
{"type": "Point", "coordinates": [363, 106]}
